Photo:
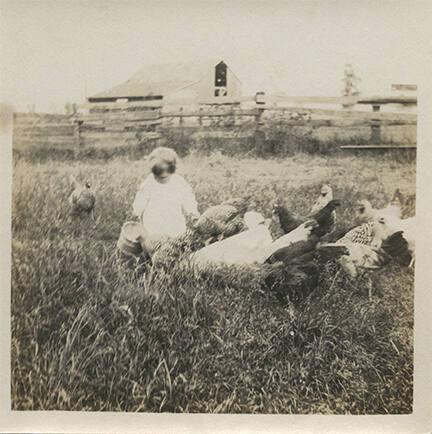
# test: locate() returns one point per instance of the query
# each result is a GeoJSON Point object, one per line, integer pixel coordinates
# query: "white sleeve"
{"type": "Point", "coordinates": [141, 199]}
{"type": "Point", "coordinates": [189, 203]}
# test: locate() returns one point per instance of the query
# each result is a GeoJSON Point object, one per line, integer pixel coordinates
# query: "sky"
{"type": "Point", "coordinates": [55, 51]}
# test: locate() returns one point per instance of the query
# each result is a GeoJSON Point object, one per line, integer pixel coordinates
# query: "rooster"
{"type": "Point", "coordinates": [82, 199]}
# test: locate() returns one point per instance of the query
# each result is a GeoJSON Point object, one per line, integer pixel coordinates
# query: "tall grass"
{"type": "Point", "coordinates": [88, 334]}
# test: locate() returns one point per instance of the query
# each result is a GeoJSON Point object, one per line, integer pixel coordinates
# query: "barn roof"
{"type": "Point", "coordinates": [154, 80]}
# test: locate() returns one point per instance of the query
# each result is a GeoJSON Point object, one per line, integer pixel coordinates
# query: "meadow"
{"type": "Point", "coordinates": [87, 334]}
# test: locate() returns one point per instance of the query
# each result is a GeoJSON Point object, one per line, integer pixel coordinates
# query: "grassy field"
{"type": "Point", "coordinates": [85, 336]}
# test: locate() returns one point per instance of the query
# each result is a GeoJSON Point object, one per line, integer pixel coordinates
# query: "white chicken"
{"type": "Point", "coordinates": [247, 247]}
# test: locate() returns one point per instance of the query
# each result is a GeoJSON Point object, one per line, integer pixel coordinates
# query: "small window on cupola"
{"type": "Point", "coordinates": [221, 75]}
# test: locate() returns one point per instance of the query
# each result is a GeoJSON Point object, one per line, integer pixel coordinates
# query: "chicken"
{"type": "Point", "coordinates": [293, 272]}
{"type": "Point", "coordinates": [387, 221]}
{"type": "Point", "coordinates": [363, 234]}
{"type": "Point", "coordinates": [355, 256]}
{"type": "Point", "coordinates": [287, 220]}
{"type": "Point", "coordinates": [324, 217]}
{"type": "Point", "coordinates": [326, 195]}
{"type": "Point", "coordinates": [396, 246]}
{"type": "Point", "coordinates": [292, 281]}
{"type": "Point", "coordinates": [406, 205]}
{"type": "Point", "coordinates": [82, 199]}
{"type": "Point", "coordinates": [299, 241]}
{"type": "Point", "coordinates": [371, 245]}
{"type": "Point", "coordinates": [388, 225]}
{"type": "Point", "coordinates": [222, 221]}
{"type": "Point", "coordinates": [247, 247]}
{"type": "Point", "coordinates": [409, 206]}
{"type": "Point", "coordinates": [365, 212]}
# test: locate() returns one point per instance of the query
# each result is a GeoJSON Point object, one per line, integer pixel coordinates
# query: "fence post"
{"type": "Point", "coordinates": [77, 132]}
{"type": "Point", "coordinates": [376, 127]}
{"type": "Point", "coordinates": [259, 132]}
{"type": "Point", "coordinates": [181, 117]}
{"type": "Point", "coordinates": [200, 117]}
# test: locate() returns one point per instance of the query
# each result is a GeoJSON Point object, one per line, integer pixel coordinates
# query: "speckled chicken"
{"type": "Point", "coordinates": [362, 234]}
{"type": "Point", "coordinates": [222, 221]}
{"type": "Point", "coordinates": [82, 199]}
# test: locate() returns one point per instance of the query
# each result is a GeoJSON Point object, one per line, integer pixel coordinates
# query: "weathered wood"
{"type": "Point", "coordinates": [210, 113]}
{"type": "Point", "coordinates": [345, 113]}
{"type": "Point", "coordinates": [121, 105]}
{"type": "Point", "coordinates": [311, 99]}
{"type": "Point", "coordinates": [410, 100]}
{"type": "Point", "coordinates": [360, 147]}
{"type": "Point", "coordinates": [63, 130]}
{"type": "Point", "coordinates": [109, 116]}
{"type": "Point", "coordinates": [223, 134]}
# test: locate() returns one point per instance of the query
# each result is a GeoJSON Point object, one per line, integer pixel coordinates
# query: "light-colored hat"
{"type": "Point", "coordinates": [163, 154]}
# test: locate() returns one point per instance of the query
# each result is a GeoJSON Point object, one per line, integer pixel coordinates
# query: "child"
{"type": "Point", "coordinates": [164, 199]}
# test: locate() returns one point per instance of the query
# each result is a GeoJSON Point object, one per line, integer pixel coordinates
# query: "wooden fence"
{"type": "Point", "coordinates": [43, 129]}
{"type": "Point", "coordinates": [107, 125]}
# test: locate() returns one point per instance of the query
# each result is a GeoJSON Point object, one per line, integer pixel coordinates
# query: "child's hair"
{"type": "Point", "coordinates": [162, 155]}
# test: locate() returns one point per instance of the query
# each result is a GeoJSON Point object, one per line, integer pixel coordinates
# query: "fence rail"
{"type": "Point", "coordinates": [119, 124]}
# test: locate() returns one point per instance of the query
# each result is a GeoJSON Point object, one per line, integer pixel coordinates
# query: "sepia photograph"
{"type": "Point", "coordinates": [213, 205]}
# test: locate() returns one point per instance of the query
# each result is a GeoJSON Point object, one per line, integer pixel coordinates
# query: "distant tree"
{"type": "Point", "coordinates": [69, 108]}
{"type": "Point", "coordinates": [350, 81]}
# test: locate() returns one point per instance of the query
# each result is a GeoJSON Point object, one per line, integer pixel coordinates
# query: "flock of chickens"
{"type": "Point", "coordinates": [232, 233]}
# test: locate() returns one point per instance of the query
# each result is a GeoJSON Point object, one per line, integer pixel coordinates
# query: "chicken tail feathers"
{"type": "Point", "coordinates": [331, 251]}
{"type": "Point", "coordinates": [396, 246]}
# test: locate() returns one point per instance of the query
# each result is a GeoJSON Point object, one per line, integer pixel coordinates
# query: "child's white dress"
{"type": "Point", "coordinates": [162, 207]}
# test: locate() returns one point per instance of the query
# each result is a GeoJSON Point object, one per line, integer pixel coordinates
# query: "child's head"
{"type": "Point", "coordinates": [163, 163]}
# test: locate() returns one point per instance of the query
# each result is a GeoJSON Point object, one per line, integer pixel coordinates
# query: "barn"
{"type": "Point", "coordinates": [197, 81]}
